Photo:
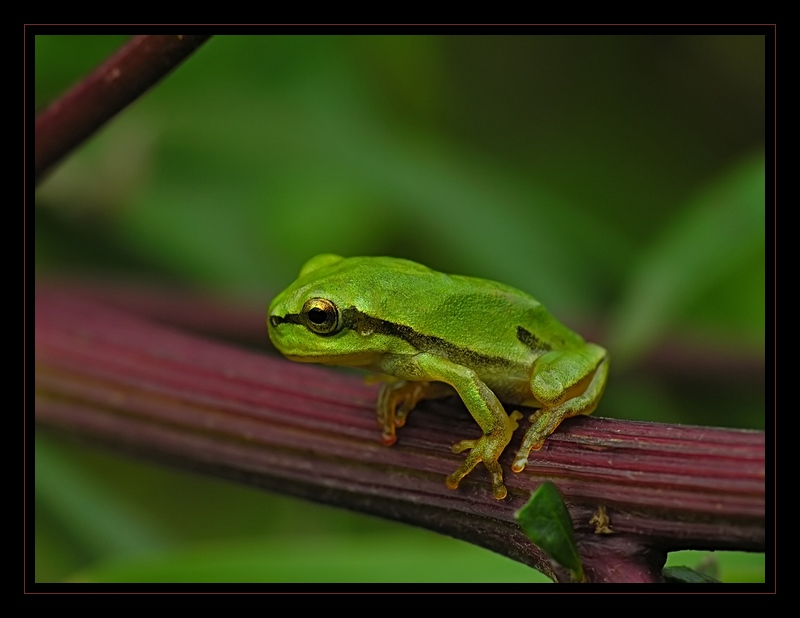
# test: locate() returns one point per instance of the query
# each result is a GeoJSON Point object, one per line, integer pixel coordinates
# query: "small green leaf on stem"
{"type": "Point", "coordinates": [547, 522]}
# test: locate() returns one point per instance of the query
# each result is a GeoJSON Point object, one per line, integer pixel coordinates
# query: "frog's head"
{"type": "Point", "coordinates": [331, 314]}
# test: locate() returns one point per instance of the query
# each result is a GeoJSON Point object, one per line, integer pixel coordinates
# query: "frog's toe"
{"type": "Point", "coordinates": [480, 450]}
{"type": "Point", "coordinates": [467, 465]}
{"type": "Point", "coordinates": [453, 480]}
{"type": "Point", "coordinates": [532, 441]}
{"type": "Point", "coordinates": [460, 447]}
{"type": "Point", "coordinates": [498, 488]}
{"type": "Point", "coordinates": [521, 458]}
{"type": "Point", "coordinates": [401, 414]}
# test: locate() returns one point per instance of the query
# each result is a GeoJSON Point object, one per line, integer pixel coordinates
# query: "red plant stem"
{"type": "Point", "coordinates": [133, 385]}
{"type": "Point", "coordinates": [121, 79]}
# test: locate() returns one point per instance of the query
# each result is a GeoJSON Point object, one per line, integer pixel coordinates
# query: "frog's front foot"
{"type": "Point", "coordinates": [543, 423]}
{"type": "Point", "coordinates": [480, 450]}
{"type": "Point", "coordinates": [486, 449]}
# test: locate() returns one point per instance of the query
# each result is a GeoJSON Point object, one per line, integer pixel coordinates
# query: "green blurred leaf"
{"type": "Point", "coordinates": [96, 516]}
{"type": "Point", "coordinates": [545, 519]}
{"type": "Point", "coordinates": [61, 60]}
{"type": "Point", "coordinates": [714, 235]}
{"type": "Point", "coordinates": [419, 556]}
{"type": "Point", "coordinates": [725, 566]}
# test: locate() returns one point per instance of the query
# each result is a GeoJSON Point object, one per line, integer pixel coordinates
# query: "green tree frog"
{"type": "Point", "coordinates": [430, 331]}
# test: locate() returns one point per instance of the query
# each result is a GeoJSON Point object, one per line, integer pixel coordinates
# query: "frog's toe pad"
{"type": "Point", "coordinates": [388, 438]}
{"type": "Point", "coordinates": [521, 459]}
{"type": "Point", "coordinates": [499, 490]}
{"type": "Point", "coordinates": [453, 480]}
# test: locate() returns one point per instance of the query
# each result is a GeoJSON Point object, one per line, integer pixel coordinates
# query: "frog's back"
{"type": "Point", "coordinates": [473, 317]}
{"type": "Point", "coordinates": [498, 314]}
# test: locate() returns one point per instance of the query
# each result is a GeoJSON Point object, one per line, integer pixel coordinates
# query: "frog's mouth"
{"type": "Point", "coordinates": [311, 358]}
{"type": "Point", "coordinates": [289, 341]}
{"type": "Point", "coordinates": [289, 318]}
{"type": "Point", "coordinates": [339, 360]}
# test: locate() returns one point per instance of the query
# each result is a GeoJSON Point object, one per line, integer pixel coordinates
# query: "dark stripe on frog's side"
{"type": "Point", "coordinates": [356, 320]}
{"type": "Point", "coordinates": [531, 340]}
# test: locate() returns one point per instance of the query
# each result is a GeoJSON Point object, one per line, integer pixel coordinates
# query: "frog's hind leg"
{"type": "Point", "coordinates": [545, 420]}
{"type": "Point", "coordinates": [398, 397]}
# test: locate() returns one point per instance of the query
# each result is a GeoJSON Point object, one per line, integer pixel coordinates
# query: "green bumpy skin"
{"type": "Point", "coordinates": [434, 332]}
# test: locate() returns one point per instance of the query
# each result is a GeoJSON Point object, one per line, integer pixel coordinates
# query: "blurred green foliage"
{"type": "Point", "coordinates": [620, 179]}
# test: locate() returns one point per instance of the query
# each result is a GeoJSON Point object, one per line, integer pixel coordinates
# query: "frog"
{"type": "Point", "coordinates": [432, 334]}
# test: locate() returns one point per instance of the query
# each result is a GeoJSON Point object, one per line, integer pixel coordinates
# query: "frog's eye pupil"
{"type": "Point", "coordinates": [321, 316]}
{"type": "Point", "coordinates": [318, 316]}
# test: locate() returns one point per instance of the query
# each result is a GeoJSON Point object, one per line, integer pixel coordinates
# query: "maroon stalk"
{"type": "Point", "coordinates": [121, 79]}
{"type": "Point", "coordinates": [134, 385]}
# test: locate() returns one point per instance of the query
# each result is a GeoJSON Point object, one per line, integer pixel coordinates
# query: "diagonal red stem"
{"type": "Point", "coordinates": [121, 79]}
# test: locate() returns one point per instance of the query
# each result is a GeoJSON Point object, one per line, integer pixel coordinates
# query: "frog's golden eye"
{"type": "Point", "coordinates": [321, 316]}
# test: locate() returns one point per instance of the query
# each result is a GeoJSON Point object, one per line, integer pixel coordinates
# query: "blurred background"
{"type": "Point", "coordinates": [618, 179]}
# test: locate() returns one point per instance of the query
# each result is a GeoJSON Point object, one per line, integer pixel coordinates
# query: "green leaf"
{"type": "Point", "coordinates": [314, 558]}
{"type": "Point", "coordinates": [726, 566]}
{"type": "Point", "coordinates": [95, 516]}
{"type": "Point", "coordinates": [547, 522]}
{"type": "Point", "coordinates": [714, 236]}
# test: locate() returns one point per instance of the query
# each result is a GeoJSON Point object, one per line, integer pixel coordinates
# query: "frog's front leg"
{"type": "Point", "coordinates": [567, 383]}
{"type": "Point", "coordinates": [481, 402]}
